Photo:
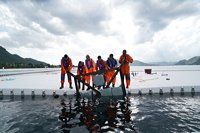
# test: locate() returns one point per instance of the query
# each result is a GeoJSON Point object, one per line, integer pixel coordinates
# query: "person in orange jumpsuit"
{"type": "Point", "coordinates": [66, 65]}
{"type": "Point", "coordinates": [81, 70]}
{"type": "Point", "coordinates": [101, 65]}
{"type": "Point", "coordinates": [90, 67]}
{"type": "Point", "coordinates": [126, 68]}
{"type": "Point", "coordinates": [112, 63]}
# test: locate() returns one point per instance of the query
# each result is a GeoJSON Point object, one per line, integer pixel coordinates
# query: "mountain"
{"type": "Point", "coordinates": [164, 63]}
{"type": "Point", "coordinates": [192, 61]}
{"type": "Point", "coordinates": [135, 63]}
{"type": "Point", "coordinates": [5, 56]}
{"type": "Point", "coordinates": [139, 63]}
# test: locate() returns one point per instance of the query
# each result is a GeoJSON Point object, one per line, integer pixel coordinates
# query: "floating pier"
{"type": "Point", "coordinates": [183, 80]}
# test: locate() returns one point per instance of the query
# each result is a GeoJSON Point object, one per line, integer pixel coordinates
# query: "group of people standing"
{"type": "Point", "coordinates": [89, 66]}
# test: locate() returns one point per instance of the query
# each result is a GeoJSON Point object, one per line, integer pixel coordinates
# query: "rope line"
{"type": "Point", "coordinates": [143, 80]}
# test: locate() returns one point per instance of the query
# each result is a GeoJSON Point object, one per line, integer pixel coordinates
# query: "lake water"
{"type": "Point", "coordinates": [146, 113]}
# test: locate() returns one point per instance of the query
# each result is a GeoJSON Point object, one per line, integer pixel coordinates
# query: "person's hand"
{"type": "Point", "coordinates": [128, 61]}
{"type": "Point", "coordinates": [124, 60]}
{"type": "Point", "coordinates": [67, 71]}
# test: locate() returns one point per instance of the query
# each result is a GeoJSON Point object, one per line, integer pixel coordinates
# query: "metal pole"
{"type": "Point", "coordinates": [76, 78]}
{"type": "Point", "coordinates": [112, 78]}
{"type": "Point", "coordinates": [77, 90]}
{"type": "Point", "coordinates": [123, 86]}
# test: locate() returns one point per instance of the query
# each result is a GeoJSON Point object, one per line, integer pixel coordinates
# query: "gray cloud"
{"type": "Point", "coordinates": [36, 18]}
{"type": "Point", "coordinates": [27, 12]}
{"type": "Point", "coordinates": [159, 15]}
{"type": "Point", "coordinates": [75, 16]}
{"type": "Point", "coordinates": [153, 16]}
{"type": "Point", "coordinates": [56, 24]}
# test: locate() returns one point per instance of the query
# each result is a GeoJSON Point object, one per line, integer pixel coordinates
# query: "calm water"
{"type": "Point", "coordinates": [140, 114]}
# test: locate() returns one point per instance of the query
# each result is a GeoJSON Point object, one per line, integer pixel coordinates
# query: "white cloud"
{"type": "Point", "coordinates": [150, 30]}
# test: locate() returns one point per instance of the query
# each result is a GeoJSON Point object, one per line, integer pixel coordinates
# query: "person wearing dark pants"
{"type": "Point", "coordinates": [126, 68]}
{"type": "Point", "coordinates": [101, 65]}
{"type": "Point", "coordinates": [90, 67]}
{"type": "Point", "coordinates": [81, 70]}
{"type": "Point", "coordinates": [111, 63]}
{"type": "Point", "coordinates": [66, 66]}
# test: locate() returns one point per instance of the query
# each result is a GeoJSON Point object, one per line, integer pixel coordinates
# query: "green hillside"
{"type": "Point", "coordinates": [13, 61]}
{"type": "Point", "coordinates": [193, 61]}
{"type": "Point", "coordinates": [139, 63]}
{"type": "Point", "coordinates": [8, 60]}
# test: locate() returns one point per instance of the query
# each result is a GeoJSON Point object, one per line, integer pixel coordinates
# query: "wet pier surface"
{"type": "Point", "coordinates": [162, 78]}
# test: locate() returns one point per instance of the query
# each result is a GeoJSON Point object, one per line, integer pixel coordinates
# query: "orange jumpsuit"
{"type": "Point", "coordinates": [90, 67]}
{"type": "Point", "coordinates": [126, 68]}
{"type": "Point", "coordinates": [66, 65]}
{"type": "Point", "coordinates": [81, 70]}
{"type": "Point", "coordinates": [102, 65]}
{"type": "Point", "coordinates": [111, 64]}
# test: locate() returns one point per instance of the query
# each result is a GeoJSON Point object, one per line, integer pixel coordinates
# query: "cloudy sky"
{"type": "Point", "coordinates": [150, 30]}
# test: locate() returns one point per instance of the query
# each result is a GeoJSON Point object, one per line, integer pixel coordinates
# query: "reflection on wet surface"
{"type": "Point", "coordinates": [98, 115]}
{"type": "Point", "coordinates": [67, 114]}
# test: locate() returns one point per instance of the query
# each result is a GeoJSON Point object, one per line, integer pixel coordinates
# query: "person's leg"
{"type": "Point", "coordinates": [89, 77]}
{"type": "Point", "coordinates": [69, 81]}
{"type": "Point", "coordinates": [108, 77]}
{"type": "Point", "coordinates": [128, 80]}
{"type": "Point", "coordinates": [83, 87]}
{"type": "Point", "coordinates": [114, 80]}
{"type": "Point", "coordinates": [62, 79]}
{"type": "Point", "coordinates": [79, 84]}
{"type": "Point", "coordinates": [92, 80]}
{"type": "Point", "coordinates": [122, 77]}
{"type": "Point", "coordinates": [105, 80]}
{"type": "Point", "coordinates": [88, 80]}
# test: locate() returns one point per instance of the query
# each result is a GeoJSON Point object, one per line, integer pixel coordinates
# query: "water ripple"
{"type": "Point", "coordinates": [145, 113]}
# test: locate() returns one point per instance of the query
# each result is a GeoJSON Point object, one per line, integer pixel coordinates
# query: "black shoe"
{"type": "Point", "coordinates": [70, 86]}
{"type": "Point", "coordinates": [83, 87]}
{"type": "Point", "coordinates": [79, 85]}
{"type": "Point", "coordinates": [113, 85]}
{"type": "Point", "coordinates": [88, 89]}
{"type": "Point", "coordinates": [62, 86]}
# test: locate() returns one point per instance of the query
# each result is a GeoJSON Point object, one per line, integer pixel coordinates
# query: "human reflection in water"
{"type": "Point", "coordinates": [90, 117]}
{"type": "Point", "coordinates": [126, 114]}
{"type": "Point", "coordinates": [96, 115]}
{"type": "Point", "coordinates": [66, 115]}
